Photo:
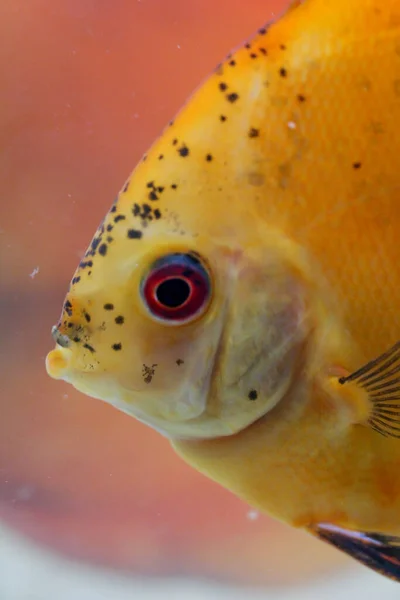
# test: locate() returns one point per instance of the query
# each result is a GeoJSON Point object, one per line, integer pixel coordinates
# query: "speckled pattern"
{"type": "Point", "coordinates": [281, 175]}
{"type": "Point", "coordinates": [272, 66]}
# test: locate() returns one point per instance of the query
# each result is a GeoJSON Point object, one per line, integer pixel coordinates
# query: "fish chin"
{"type": "Point", "coordinates": [183, 413]}
{"type": "Point", "coordinates": [176, 413]}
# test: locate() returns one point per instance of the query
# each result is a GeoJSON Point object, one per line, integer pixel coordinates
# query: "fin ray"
{"type": "Point", "coordinates": [380, 378]}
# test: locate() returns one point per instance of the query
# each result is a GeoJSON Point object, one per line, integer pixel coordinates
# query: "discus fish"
{"type": "Point", "coordinates": [242, 295]}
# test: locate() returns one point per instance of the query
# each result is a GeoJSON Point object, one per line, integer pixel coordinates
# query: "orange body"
{"type": "Point", "coordinates": [325, 170]}
{"type": "Point", "coordinates": [282, 172]}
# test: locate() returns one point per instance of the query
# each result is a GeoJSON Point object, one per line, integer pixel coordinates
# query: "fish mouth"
{"type": "Point", "coordinates": [58, 362]}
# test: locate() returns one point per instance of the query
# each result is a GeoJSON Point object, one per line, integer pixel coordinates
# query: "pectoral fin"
{"type": "Point", "coordinates": [380, 379]}
{"type": "Point", "coordinates": [378, 552]}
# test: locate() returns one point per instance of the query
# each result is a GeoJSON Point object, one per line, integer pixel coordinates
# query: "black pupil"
{"type": "Point", "coordinates": [173, 292]}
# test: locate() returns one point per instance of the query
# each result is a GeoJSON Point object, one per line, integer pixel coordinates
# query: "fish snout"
{"type": "Point", "coordinates": [58, 362]}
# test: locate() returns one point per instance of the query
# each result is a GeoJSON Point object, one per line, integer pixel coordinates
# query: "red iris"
{"type": "Point", "coordinates": [177, 288]}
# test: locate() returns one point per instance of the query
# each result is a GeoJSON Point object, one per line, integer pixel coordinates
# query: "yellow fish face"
{"type": "Point", "coordinates": [192, 308]}
{"type": "Point", "coordinates": [195, 337]}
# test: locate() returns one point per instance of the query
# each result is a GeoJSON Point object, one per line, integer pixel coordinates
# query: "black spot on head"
{"type": "Point", "coordinates": [253, 132]}
{"type": "Point", "coordinates": [77, 339]}
{"type": "Point", "coordinates": [153, 196]}
{"type": "Point", "coordinates": [119, 320]}
{"type": "Point", "coordinates": [262, 31]}
{"type": "Point", "coordinates": [126, 186]}
{"type": "Point", "coordinates": [232, 63]}
{"type": "Point", "coordinates": [108, 306]}
{"type": "Point", "coordinates": [150, 184]}
{"type": "Point", "coordinates": [76, 280]}
{"type": "Point", "coordinates": [222, 118]}
{"type": "Point", "coordinates": [87, 317]}
{"type": "Point", "coordinates": [117, 346]}
{"type": "Point", "coordinates": [110, 239]}
{"type": "Point", "coordinates": [282, 47]}
{"type": "Point", "coordinates": [160, 188]}
{"type": "Point", "coordinates": [103, 249]}
{"type": "Point", "coordinates": [248, 46]}
{"type": "Point", "coordinates": [134, 234]}
{"type": "Point", "coordinates": [89, 347]}
{"type": "Point", "coordinates": [301, 98]}
{"type": "Point", "coordinates": [144, 158]}
{"type": "Point", "coordinates": [148, 373]}
{"type": "Point", "coordinates": [263, 51]}
{"type": "Point", "coordinates": [113, 208]}
{"type": "Point", "coordinates": [232, 97]}
{"type": "Point", "coordinates": [110, 227]}
{"type": "Point", "coordinates": [84, 264]}
{"type": "Point", "coordinates": [184, 151]}
{"type": "Point", "coordinates": [146, 210]}
{"type": "Point", "coordinates": [174, 186]}
{"type": "Point", "coordinates": [252, 395]}
{"type": "Point", "coordinates": [357, 165]}
{"type": "Point", "coordinates": [179, 362]}
{"type": "Point", "coordinates": [282, 72]}
{"type": "Point", "coordinates": [136, 210]}
{"type": "Point", "coordinates": [161, 156]}
{"type": "Point", "coordinates": [174, 142]}
{"type": "Point", "coordinates": [253, 55]}
{"type": "Point", "coordinates": [157, 214]}
{"type": "Point", "coordinates": [95, 243]}
{"type": "Point", "coordinates": [119, 218]}
{"type": "Point", "coordinates": [222, 86]}
{"type": "Point", "coordinates": [209, 157]}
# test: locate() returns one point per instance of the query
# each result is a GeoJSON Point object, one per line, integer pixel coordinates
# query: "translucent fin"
{"type": "Point", "coordinates": [380, 378]}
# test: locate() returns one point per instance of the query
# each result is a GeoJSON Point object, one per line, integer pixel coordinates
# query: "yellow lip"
{"type": "Point", "coordinates": [58, 362]}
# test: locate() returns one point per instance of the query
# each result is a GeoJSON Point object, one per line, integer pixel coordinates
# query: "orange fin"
{"type": "Point", "coordinates": [380, 378]}
{"type": "Point", "coordinates": [378, 552]}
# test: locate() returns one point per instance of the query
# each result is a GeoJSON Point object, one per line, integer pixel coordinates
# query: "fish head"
{"type": "Point", "coordinates": [189, 310]}
{"type": "Point", "coordinates": [191, 329]}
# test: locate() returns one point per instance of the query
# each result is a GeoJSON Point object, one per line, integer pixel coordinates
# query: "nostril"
{"type": "Point", "coordinates": [61, 339]}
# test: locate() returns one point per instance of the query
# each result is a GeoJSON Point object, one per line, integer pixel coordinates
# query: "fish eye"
{"type": "Point", "coordinates": [177, 288]}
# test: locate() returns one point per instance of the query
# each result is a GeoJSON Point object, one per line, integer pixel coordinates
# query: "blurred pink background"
{"type": "Point", "coordinates": [86, 87]}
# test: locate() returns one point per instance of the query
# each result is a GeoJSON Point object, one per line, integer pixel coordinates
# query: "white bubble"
{"type": "Point", "coordinates": [252, 514]}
